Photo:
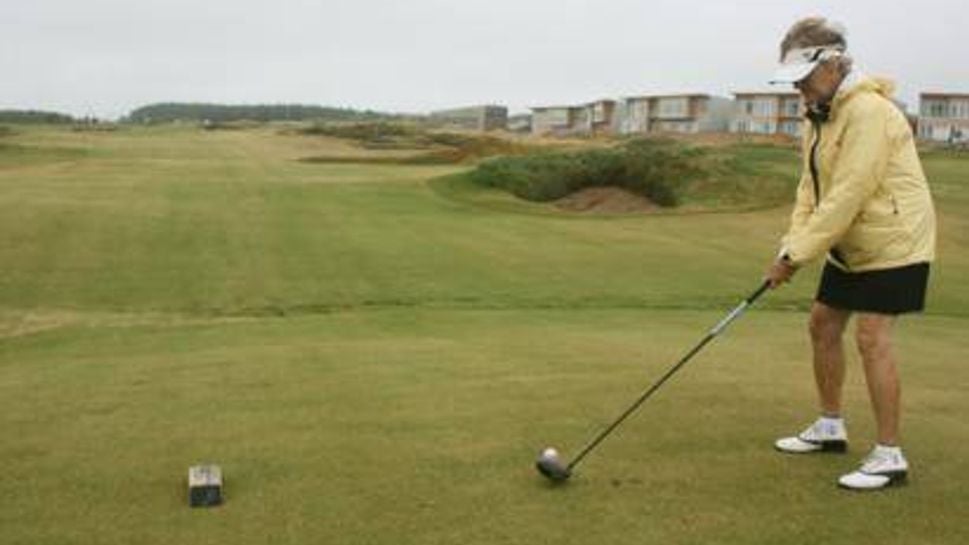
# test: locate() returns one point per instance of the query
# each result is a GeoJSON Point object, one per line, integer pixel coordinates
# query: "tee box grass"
{"type": "Point", "coordinates": [375, 356]}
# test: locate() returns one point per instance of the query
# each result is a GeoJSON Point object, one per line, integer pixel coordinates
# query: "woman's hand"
{"type": "Point", "coordinates": [780, 272]}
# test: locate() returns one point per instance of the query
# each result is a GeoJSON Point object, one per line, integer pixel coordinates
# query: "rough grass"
{"type": "Point", "coordinates": [372, 362]}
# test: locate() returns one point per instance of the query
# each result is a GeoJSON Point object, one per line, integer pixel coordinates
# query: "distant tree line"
{"type": "Point", "coordinates": [217, 113]}
{"type": "Point", "coordinates": [34, 116]}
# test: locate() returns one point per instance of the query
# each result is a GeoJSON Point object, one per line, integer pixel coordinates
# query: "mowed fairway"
{"type": "Point", "coordinates": [372, 362]}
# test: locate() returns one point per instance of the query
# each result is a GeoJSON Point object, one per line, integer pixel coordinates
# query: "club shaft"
{"type": "Point", "coordinates": [734, 314]}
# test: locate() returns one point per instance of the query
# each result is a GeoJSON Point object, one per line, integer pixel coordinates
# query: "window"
{"type": "Point", "coordinates": [792, 128]}
{"type": "Point", "coordinates": [934, 108]}
{"type": "Point", "coordinates": [763, 127]}
{"type": "Point", "coordinates": [960, 109]}
{"type": "Point", "coordinates": [557, 117]}
{"type": "Point", "coordinates": [764, 107]}
{"type": "Point", "coordinates": [599, 112]}
{"type": "Point", "coordinates": [673, 107]}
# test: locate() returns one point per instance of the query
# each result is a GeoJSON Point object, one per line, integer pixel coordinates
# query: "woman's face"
{"type": "Point", "coordinates": [821, 84]}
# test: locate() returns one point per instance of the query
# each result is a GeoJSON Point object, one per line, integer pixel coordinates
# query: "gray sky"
{"type": "Point", "coordinates": [106, 57]}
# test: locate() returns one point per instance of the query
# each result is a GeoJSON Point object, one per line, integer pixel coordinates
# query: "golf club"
{"type": "Point", "coordinates": [549, 463]}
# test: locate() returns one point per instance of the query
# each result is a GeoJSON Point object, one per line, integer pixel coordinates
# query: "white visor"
{"type": "Point", "coordinates": [799, 63]}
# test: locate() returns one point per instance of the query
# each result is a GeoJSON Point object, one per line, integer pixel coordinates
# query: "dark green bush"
{"type": "Point", "coordinates": [547, 176]}
{"type": "Point", "coordinates": [655, 169]}
{"type": "Point", "coordinates": [377, 132]}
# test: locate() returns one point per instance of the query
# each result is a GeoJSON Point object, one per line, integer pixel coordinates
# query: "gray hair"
{"type": "Point", "coordinates": [817, 32]}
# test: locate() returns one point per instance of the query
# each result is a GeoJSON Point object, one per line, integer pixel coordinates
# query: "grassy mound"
{"type": "Point", "coordinates": [376, 135]}
{"type": "Point", "coordinates": [435, 147]}
{"type": "Point", "coordinates": [669, 173]}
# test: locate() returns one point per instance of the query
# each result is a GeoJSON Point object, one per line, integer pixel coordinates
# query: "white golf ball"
{"type": "Point", "coordinates": [550, 453]}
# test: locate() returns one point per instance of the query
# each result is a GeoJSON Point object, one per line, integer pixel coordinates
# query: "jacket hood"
{"type": "Point", "coordinates": [856, 83]}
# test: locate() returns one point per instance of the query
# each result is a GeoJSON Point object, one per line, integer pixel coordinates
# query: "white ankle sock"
{"type": "Point", "coordinates": [888, 450]}
{"type": "Point", "coordinates": [832, 424]}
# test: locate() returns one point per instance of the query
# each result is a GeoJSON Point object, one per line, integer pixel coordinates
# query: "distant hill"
{"type": "Point", "coordinates": [172, 111]}
{"type": "Point", "coordinates": [34, 116]}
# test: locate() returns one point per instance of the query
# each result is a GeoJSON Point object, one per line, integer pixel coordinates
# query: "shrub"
{"type": "Point", "coordinates": [545, 176]}
{"type": "Point", "coordinates": [655, 169]}
{"type": "Point", "coordinates": [377, 132]}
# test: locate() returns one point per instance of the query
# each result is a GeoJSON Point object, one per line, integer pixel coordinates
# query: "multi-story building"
{"type": "Point", "coordinates": [633, 114]}
{"type": "Point", "coordinates": [600, 117]}
{"type": "Point", "coordinates": [586, 119]}
{"type": "Point", "coordinates": [944, 117]}
{"type": "Point", "coordinates": [692, 113]}
{"type": "Point", "coordinates": [520, 123]}
{"type": "Point", "coordinates": [554, 120]}
{"type": "Point", "coordinates": [685, 113]}
{"type": "Point", "coordinates": [767, 113]}
{"type": "Point", "coordinates": [473, 118]}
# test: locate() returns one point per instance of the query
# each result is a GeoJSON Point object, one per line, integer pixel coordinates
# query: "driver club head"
{"type": "Point", "coordinates": [551, 466]}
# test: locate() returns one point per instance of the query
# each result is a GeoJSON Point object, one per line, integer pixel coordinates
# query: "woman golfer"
{"type": "Point", "coordinates": [864, 203]}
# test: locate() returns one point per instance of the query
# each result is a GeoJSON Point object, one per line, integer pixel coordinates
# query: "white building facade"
{"type": "Point", "coordinates": [944, 117]}
{"type": "Point", "coordinates": [767, 113]}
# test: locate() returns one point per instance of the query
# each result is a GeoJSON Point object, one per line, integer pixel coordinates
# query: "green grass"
{"type": "Point", "coordinates": [375, 356]}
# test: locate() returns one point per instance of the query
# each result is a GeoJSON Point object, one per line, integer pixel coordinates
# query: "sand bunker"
{"type": "Point", "coordinates": [606, 200]}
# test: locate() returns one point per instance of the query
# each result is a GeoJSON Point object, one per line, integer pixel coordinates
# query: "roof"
{"type": "Point", "coordinates": [537, 108]}
{"type": "Point", "coordinates": [943, 95]}
{"type": "Point", "coordinates": [668, 95]}
{"type": "Point", "coordinates": [785, 94]}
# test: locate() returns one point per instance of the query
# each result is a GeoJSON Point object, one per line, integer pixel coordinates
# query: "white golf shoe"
{"type": "Point", "coordinates": [883, 467]}
{"type": "Point", "coordinates": [824, 435]}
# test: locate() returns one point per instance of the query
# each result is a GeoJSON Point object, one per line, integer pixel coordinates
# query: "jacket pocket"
{"type": "Point", "coordinates": [877, 233]}
{"type": "Point", "coordinates": [880, 210]}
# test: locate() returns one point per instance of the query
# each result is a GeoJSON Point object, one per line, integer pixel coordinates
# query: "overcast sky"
{"type": "Point", "coordinates": [106, 57]}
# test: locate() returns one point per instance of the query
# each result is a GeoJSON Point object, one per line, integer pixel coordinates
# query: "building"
{"type": "Point", "coordinates": [521, 123]}
{"type": "Point", "coordinates": [601, 117]}
{"type": "Point", "coordinates": [683, 113]}
{"type": "Point", "coordinates": [767, 113]}
{"type": "Point", "coordinates": [472, 118]}
{"type": "Point", "coordinates": [554, 120]}
{"type": "Point", "coordinates": [633, 114]}
{"type": "Point", "coordinates": [944, 117]}
{"type": "Point", "coordinates": [689, 114]}
{"type": "Point", "coordinates": [589, 119]}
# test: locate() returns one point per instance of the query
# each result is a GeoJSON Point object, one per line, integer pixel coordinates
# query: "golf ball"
{"type": "Point", "coordinates": [550, 453]}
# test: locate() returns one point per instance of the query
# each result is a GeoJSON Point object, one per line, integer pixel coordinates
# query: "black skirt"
{"type": "Point", "coordinates": [888, 291]}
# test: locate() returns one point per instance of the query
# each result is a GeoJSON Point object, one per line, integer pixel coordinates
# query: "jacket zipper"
{"type": "Point", "coordinates": [813, 164]}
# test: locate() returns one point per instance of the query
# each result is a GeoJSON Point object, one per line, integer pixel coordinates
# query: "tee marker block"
{"type": "Point", "coordinates": [204, 486]}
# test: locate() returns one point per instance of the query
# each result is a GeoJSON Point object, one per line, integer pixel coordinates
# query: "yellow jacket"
{"type": "Point", "coordinates": [870, 205]}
